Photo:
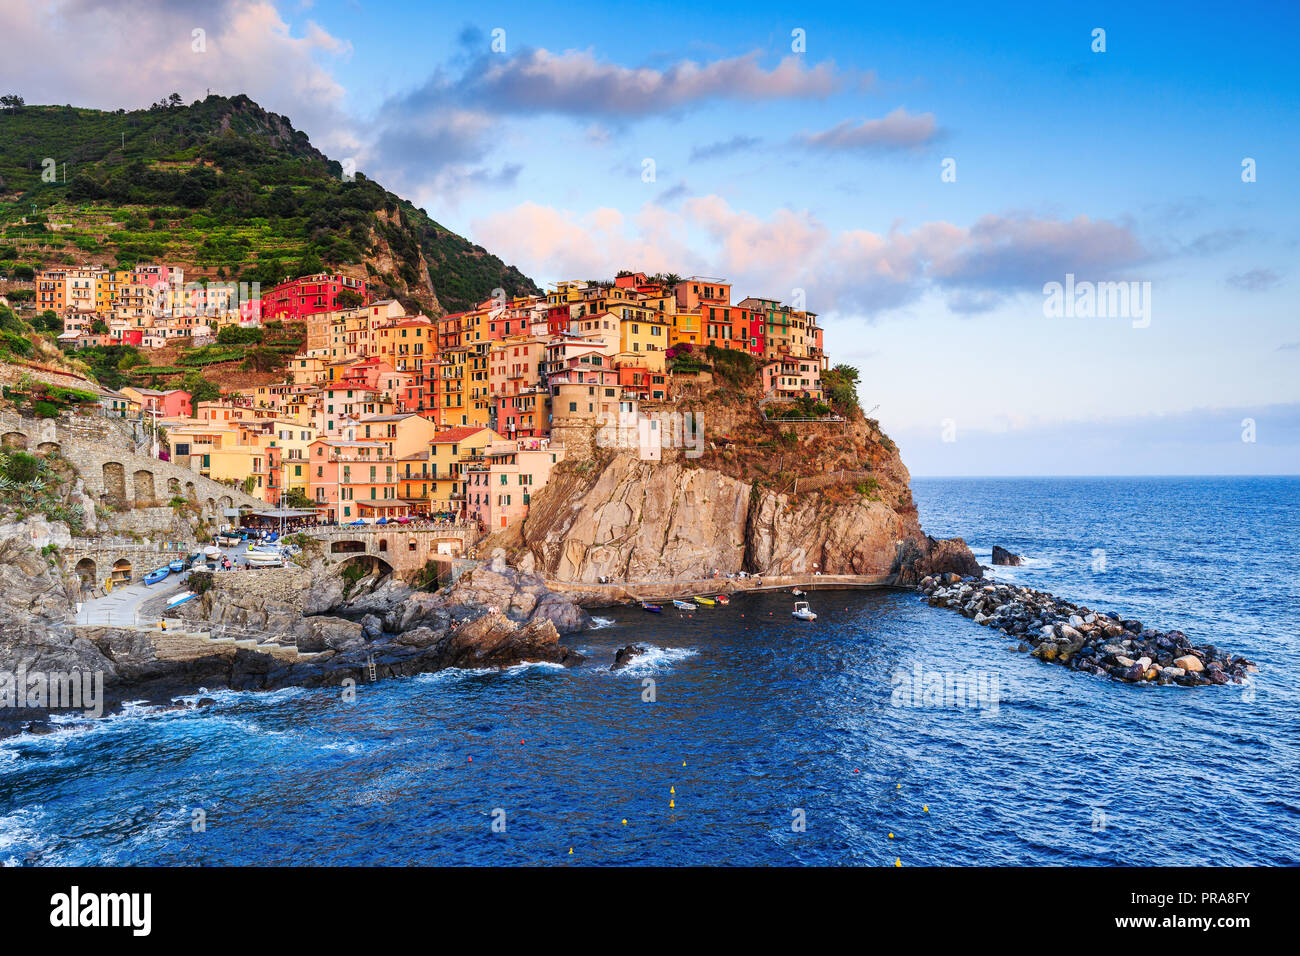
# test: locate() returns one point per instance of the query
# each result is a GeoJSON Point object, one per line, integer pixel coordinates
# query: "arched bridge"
{"type": "Point", "coordinates": [404, 548]}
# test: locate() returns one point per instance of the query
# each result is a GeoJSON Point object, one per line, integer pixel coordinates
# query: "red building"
{"type": "Point", "coordinates": [308, 295]}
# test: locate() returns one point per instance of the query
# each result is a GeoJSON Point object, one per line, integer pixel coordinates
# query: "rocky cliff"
{"type": "Point", "coordinates": [761, 497]}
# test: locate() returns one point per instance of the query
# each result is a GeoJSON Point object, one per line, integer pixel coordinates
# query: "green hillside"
{"type": "Point", "coordinates": [227, 190]}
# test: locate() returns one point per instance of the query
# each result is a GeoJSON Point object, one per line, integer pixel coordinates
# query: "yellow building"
{"type": "Point", "coordinates": [450, 452]}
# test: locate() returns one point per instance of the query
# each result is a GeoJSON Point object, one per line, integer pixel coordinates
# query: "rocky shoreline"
{"type": "Point", "coordinates": [309, 633]}
{"type": "Point", "coordinates": [1074, 636]}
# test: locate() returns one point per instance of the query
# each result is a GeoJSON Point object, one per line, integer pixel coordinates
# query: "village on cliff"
{"type": "Point", "coordinates": [385, 415]}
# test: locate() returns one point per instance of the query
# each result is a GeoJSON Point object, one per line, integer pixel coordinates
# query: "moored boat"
{"type": "Point", "coordinates": [723, 599]}
{"type": "Point", "coordinates": [803, 612]}
{"type": "Point", "coordinates": [180, 599]}
{"type": "Point", "coordinates": [683, 605]}
{"type": "Point", "coordinates": [156, 575]}
{"type": "Point", "coordinates": [706, 601]}
{"type": "Point", "coordinates": [797, 593]}
{"type": "Point", "coordinates": [177, 565]}
{"type": "Point", "coordinates": [652, 608]}
{"type": "Point", "coordinates": [265, 559]}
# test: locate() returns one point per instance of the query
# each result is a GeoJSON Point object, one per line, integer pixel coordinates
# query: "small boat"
{"type": "Point", "coordinates": [177, 565]}
{"type": "Point", "coordinates": [722, 599]}
{"type": "Point", "coordinates": [211, 552]}
{"type": "Point", "coordinates": [797, 593]}
{"type": "Point", "coordinates": [156, 575]}
{"type": "Point", "coordinates": [265, 559]}
{"type": "Point", "coordinates": [803, 612]}
{"type": "Point", "coordinates": [683, 605]}
{"type": "Point", "coordinates": [272, 536]}
{"type": "Point", "coordinates": [229, 540]}
{"type": "Point", "coordinates": [707, 601]}
{"type": "Point", "coordinates": [180, 599]}
{"type": "Point", "coordinates": [652, 608]}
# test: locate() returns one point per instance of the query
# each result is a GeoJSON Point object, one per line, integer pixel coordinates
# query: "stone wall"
{"type": "Point", "coordinates": [112, 472]}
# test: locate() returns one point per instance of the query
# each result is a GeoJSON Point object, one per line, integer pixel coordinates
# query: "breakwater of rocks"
{"type": "Point", "coordinates": [1097, 642]}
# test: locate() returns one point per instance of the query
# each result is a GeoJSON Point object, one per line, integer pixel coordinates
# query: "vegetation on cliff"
{"type": "Point", "coordinates": [228, 190]}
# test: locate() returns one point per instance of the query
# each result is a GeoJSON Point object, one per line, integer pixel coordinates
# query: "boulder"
{"type": "Point", "coordinates": [1189, 663]}
{"type": "Point", "coordinates": [625, 655]}
{"type": "Point", "coordinates": [1001, 556]}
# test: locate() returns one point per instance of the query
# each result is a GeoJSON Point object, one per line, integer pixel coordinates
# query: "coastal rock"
{"type": "Point", "coordinates": [518, 595]}
{"type": "Point", "coordinates": [625, 655]}
{"type": "Point", "coordinates": [1003, 557]}
{"type": "Point", "coordinates": [1100, 643]}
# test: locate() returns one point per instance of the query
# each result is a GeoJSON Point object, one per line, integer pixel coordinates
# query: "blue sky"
{"type": "Point", "coordinates": [820, 170]}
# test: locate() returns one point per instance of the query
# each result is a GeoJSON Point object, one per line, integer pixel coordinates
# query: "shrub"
{"type": "Point", "coordinates": [45, 409]}
{"type": "Point", "coordinates": [200, 582]}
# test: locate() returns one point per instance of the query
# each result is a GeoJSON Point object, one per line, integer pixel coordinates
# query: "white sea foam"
{"type": "Point", "coordinates": [655, 660]}
{"type": "Point", "coordinates": [600, 622]}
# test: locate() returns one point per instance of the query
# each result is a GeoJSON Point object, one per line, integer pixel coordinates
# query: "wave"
{"type": "Point", "coordinates": [654, 660]}
{"type": "Point", "coordinates": [600, 622]}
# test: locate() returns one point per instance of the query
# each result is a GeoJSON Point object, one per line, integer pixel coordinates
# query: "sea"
{"type": "Point", "coordinates": [741, 736]}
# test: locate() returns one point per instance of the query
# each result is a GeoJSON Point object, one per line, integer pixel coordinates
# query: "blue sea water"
{"type": "Point", "coordinates": [759, 722]}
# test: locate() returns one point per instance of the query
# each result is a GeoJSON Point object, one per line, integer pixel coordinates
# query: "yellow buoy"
{"type": "Point", "coordinates": [898, 861]}
{"type": "Point", "coordinates": [570, 851]}
{"type": "Point", "coordinates": [624, 823]}
{"type": "Point", "coordinates": [900, 786]}
{"type": "Point", "coordinates": [672, 805]}
{"type": "Point", "coordinates": [925, 808]}
{"type": "Point", "coordinates": [891, 836]}
{"type": "Point", "coordinates": [672, 789]}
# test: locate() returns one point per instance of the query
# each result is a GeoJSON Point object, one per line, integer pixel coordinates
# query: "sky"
{"type": "Point", "coordinates": [920, 175]}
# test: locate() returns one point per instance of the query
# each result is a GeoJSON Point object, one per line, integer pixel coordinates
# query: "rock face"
{"type": "Point", "coordinates": [1003, 557]}
{"type": "Point", "coordinates": [629, 520]}
{"type": "Point", "coordinates": [949, 558]}
{"type": "Point", "coordinates": [516, 594]}
{"type": "Point", "coordinates": [1097, 643]}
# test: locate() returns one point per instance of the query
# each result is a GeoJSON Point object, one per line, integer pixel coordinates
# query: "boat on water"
{"type": "Point", "coordinates": [722, 599]}
{"type": "Point", "coordinates": [797, 593]}
{"type": "Point", "coordinates": [683, 605]}
{"type": "Point", "coordinates": [706, 601]}
{"type": "Point", "coordinates": [177, 565]}
{"type": "Point", "coordinates": [803, 612]}
{"type": "Point", "coordinates": [652, 608]}
{"type": "Point", "coordinates": [156, 575]}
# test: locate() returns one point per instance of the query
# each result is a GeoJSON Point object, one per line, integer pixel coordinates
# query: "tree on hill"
{"type": "Point", "coordinates": [12, 103]}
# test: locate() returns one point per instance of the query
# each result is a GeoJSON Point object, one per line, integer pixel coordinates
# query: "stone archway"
{"type": "Point", "coordinates": [347, 547]}
{"type": "Point", "coordinates": [48, 448]}
{"type": "Point", "coordinates": [211, 510]}
{"type": "Point", "coordinates": [142, 482]}
{"type": "Point", "coordinates": [13, 440]}
{"type": "Point", "coordinates": [121, 572]}
{"type": "Point", "coordinates": [87, 572]}
{"type": "Point", "coordinates": [114, 482]}
{"type": "Point", "coordinates": [383, 544]}
{"type": "Point", "coordinates": [173, 487]}
{"type": "Point", "coordinates": [224, 504]}
{"type": "Point", "coordinates": [190, 491]}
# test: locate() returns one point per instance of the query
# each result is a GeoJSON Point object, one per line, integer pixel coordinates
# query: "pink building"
{"type": "Point", "coordinates": [498, 491]}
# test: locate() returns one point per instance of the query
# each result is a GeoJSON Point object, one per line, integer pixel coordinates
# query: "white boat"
{"type": "Point", "coordinates": [179, 599]}
{"type": "Point", "coordinates": [803, 612]}
{"type": "Point", "coordinates": [212, 552]}
{"type": "Point", "coordinates": [265, 559]}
